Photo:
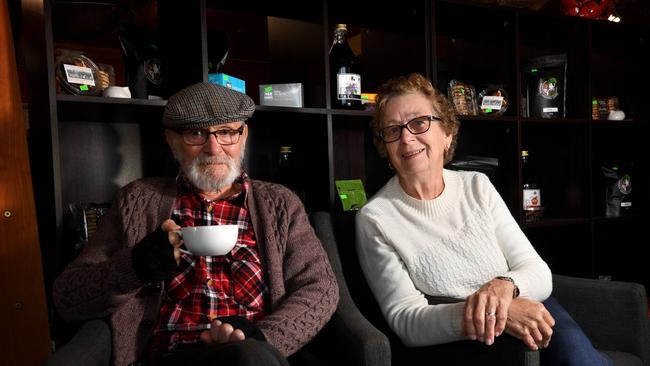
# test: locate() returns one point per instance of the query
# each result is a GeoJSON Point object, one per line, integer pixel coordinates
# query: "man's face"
{"type": "Point", "coordinates": [211, 166]}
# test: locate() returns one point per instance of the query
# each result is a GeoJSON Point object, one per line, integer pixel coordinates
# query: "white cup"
{"type": "Point", "coordinates": [209, 240]}
{"type": "Point", "coordinates": [616, 115]}
{"type": "Point", "coordinates": [117, 92]}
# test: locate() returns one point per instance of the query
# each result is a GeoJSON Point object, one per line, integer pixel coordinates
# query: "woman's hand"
{"type": "Point", "coordinates": [174, 239]}
{"type": "Point", "coordinates": [222, 333]}
{"type": "Point", "coordinates": [529, 321]}
{"type": "Point", "coordinates": [486, 311]}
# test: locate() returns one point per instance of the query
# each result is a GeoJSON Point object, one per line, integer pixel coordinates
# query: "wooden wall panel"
{"type": "Point", "coordinates": [24, 339]}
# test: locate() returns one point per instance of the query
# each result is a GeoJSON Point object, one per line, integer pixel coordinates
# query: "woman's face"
{"type": "Point", "coordinates": [412, 155]}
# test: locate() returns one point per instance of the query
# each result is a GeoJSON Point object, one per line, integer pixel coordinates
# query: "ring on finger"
{"type": "Point", "coordinates": [490, 313]}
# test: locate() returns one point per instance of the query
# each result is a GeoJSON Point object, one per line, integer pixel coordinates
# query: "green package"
{"type": "Point", "coordinates": [352, 194]}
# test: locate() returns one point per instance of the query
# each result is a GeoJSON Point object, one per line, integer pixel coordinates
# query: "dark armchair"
{"type": "Point", "coordinates": [613, 314]}
{"type": "Point", "coordinates": [348, 339]}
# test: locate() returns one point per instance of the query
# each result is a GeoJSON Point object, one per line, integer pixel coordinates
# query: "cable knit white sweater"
{"type": "Point", "coordinates": [449, 246]}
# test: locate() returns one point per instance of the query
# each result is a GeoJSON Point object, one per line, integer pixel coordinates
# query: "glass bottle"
{"type": "Point", "coordinates": [284, 162]}
{"type": "Point", "coordinates": [287, 175]}
{"type": "Point", "coordinates": [531, 192]}
{"type": "Point", "coordinates": [344, 72]}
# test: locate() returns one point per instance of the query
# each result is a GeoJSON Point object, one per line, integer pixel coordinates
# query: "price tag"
{"type": "Point", "coordinates": [79, 75]}
{"type": "Point", "coordinates": [492, 102]}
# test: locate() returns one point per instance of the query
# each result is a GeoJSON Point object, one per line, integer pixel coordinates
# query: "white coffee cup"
{"type": "Point", "coordinates": [209, 240]}
{"type": "Point", "coordinates": [616, 115]}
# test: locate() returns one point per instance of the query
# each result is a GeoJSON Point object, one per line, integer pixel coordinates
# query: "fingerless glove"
{"type": "Point", "coordinates": [249, 328]}
{"type": "Point", "coordinates": [153, 257]}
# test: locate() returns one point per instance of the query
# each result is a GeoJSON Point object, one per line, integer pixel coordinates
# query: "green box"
{"type": "Point", "coordinates": [352, 194]}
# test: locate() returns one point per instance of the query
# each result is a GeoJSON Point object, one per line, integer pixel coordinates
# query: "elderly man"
{"type": "Point", "coordinates": [253, 306]}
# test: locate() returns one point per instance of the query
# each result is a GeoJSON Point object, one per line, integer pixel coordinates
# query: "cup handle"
{"type": "Point", "coordinates": [180, 233]}
{"type": "Point", "coordinates": [185, 251]}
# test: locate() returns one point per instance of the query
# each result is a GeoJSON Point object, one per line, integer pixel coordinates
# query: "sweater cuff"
{"type": "Point", "coordinates": [457, 318]}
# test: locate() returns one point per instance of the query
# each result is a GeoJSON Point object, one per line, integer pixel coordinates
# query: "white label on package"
{"type": "Point", "coordinates": [492, 102]}
{"type": "Point", "coordinates": [79, 75]}
{"type": "Point", "coordinates": [549, 109]}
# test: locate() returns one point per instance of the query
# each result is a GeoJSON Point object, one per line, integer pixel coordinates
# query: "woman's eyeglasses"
{"type": "Point", "coordinates": [415, 126]}
{"type": "Point", "coordinates": [224, 136]}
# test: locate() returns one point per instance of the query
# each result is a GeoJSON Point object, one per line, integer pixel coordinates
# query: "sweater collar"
{"type": "Point", "coordinates": [430, 208]}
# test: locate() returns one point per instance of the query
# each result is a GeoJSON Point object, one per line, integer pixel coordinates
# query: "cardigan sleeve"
{"type": "Point", "coordinates": [101, 278]}
{"type": "Point", "coordinates": [303, 286]}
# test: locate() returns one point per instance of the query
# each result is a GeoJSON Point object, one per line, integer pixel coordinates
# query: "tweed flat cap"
{"type": "Point", "coordinates": [206, 104]}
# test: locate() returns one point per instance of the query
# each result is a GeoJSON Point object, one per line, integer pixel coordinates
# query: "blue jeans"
{"type": "Point", "coordinates": [569, 345]}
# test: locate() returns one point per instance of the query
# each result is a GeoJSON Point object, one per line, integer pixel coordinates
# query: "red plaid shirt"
{"type": "Point", "coordinates": [205, 288]}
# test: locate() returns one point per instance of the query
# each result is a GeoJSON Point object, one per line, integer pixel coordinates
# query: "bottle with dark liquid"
{"type": "Point", "coordinates": [287, 173]}
{"type": "Point", "coordinates": [344, 71]}
{"type": "Point", "coordinates": [532, 194]}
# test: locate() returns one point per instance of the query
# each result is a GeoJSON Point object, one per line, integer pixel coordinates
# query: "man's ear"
{"type": "Point", "coordinates": [245, 134]}
{"type": "Point", "coordinates": [169, 136]}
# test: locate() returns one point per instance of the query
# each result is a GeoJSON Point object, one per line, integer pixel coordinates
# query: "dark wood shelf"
{"type": "Point", "coordinates": [106, 100]}
{"type": "Point", "coordinates": [345, 112]}
{"type": "Point", "coordinates": [73, 108]}
{"type": "Point", "coordinates": [266, 108]}
{"type": "Point", "coordinates": [487, 118]}
{"type": "Point", "coordinates": [554, 120]}
{"type": "Point", "coordinates": [556, 222]}
{"type": "Point", "coordinates": [626, 218]}
{"type": "Point", "coordinates": [609, 122]}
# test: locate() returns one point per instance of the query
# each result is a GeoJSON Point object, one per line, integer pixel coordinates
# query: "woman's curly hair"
{"type": "Point", "coordinates": [415, 83]}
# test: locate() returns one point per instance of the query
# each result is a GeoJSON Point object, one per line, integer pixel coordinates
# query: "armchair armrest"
{"type": "Point", "coordinates": [90, 346]}
{"type": "Point", "coordinates": [356, 338]}
{"type": "Point", "coordinates": [613, 314]}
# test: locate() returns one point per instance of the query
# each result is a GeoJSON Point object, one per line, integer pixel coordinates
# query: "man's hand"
{"type": "Point", "coordinates": [156, 257]}
{"type": "Point", "coordinates": [486, 311]}
{"type": "Point", "coordinates": [222, 333]}
{"type": "Point", "coordinates": [530, 321]}
{"type": "Point", "coordinates": [175, 240]}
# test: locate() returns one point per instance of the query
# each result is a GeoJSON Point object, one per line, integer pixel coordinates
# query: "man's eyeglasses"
{"type": "Point", "coordinates": [415, 126]}
{"type": "Point", "coordinates": [224, 136]}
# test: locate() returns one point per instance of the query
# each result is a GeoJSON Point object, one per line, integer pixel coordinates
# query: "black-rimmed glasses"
{"type": "Point", "coordinates": [198, 136]}
{"type": "Point", "coordinates": [415, 126]}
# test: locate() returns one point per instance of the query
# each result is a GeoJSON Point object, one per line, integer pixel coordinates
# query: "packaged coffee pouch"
{"type": "Point", "coordinates": [143, 66]}
{"type": "Point", "coordinates": [76, 74]}
{"type": "Point", "coordinates": [463, 98]}
{"type": "Point", "coordinates": [618, 189]}
{"type": "Point", "coordinates": [545, 86]}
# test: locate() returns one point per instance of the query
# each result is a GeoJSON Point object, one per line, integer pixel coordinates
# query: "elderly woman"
{"type": "Point", "coordinates": [442, 233]}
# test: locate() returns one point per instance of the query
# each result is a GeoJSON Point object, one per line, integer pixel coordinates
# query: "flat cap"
{"type": "Point", "coordinates": [206, 104]}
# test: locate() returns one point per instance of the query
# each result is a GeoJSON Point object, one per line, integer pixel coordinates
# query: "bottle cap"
{"type": "Point", "coordinates": [285, 149]}
{"type": "Point", "coordinates": [341, 26]}
{"type": "Point", "coordinates": [524, 152]}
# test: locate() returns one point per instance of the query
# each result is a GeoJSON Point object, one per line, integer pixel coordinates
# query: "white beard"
{"type": "Point", "coordinates": [200, 175]}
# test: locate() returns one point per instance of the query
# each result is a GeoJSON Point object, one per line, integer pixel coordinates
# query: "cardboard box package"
{"type": "Point", "coordinates": [228, 81]}
{"type": "Point", "coordinates": [282, 95]}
